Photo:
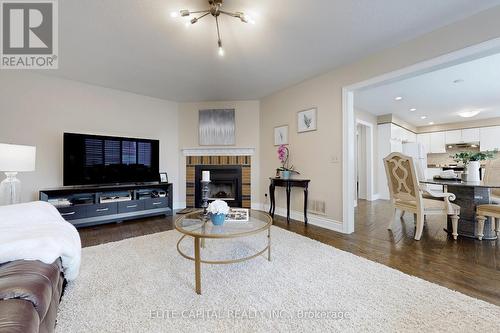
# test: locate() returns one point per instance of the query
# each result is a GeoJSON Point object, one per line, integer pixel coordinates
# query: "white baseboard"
{"type": "Point", "coordinates": [316, 220]}
{"type": "Point", "coordinates": [179, 205]}
{"type": "Point", "coordinates": [257, 206]}
{"type": "Point", "coordinates": [374, 197]}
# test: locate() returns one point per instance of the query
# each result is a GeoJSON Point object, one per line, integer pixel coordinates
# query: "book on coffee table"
{"type": "Point", "coordinates": [238, 215]}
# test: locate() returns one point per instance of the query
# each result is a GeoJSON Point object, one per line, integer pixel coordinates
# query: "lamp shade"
{"type": "Point", "coordinates": [16, 158]}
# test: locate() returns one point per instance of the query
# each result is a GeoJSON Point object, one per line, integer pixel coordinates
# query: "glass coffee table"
{"type": "Point", "coordinates": [195, 225]}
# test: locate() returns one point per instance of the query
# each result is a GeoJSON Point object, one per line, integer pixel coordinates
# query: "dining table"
{"type": "Point", "coordinates": [469, 194]}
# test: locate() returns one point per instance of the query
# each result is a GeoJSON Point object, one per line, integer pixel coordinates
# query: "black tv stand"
{"type": "Point", "coordinates": [91, 205]}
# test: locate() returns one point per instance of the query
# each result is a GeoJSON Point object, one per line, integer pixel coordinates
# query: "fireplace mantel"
{"type": "Point", "coordinates": [218, 151]}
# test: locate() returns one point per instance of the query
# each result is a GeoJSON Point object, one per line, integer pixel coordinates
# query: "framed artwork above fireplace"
{"type": "Point", "coordinates": [216, 127]}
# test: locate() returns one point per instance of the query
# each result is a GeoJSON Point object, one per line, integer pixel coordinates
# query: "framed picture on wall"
{"type": "Point", "coordinates": [216, 127]}
{"type": "Point", "coordinates": [307, 120]}
{"type": "Point", "coordinates": [281, 135]}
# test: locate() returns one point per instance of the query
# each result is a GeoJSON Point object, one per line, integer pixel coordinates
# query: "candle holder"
{"type": "Point", "coordinates": [204, 195]}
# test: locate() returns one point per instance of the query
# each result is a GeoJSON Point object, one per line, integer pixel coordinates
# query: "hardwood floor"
{"type": "Point", "coordinates": [466, 265]}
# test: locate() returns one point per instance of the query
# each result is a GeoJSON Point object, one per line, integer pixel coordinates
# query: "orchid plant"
{"type": "Point", "coordinates": [283, 156]}
{"type": "Point", "coordinates": [218, 207]}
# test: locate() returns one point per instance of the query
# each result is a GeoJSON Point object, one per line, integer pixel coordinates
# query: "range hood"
{"type": "Point", "coordinates": [463, 145]}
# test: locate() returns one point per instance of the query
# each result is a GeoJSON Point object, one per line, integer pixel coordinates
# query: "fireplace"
{"type": "Point", "coordinates": [225, 184]}
{"type": "Point", "coordinates": [230, 174]}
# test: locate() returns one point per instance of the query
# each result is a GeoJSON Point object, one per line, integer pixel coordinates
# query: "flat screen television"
{"type": "Point", "coordinates": [98, 160]}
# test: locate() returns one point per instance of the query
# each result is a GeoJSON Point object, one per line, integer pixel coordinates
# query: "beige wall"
{"type": "Point", "coordinates": [37, 110]}
{"type": "Point", "coordinates": [318, 154]}
{"type": "Point", "coordinates": [247, 134]}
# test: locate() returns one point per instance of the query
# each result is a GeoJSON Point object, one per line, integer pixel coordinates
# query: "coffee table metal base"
{"type": "Point", "coordinates": [198, 261]}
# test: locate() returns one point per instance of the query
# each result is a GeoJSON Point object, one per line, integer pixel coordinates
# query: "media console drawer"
{"type": "Point", "coordinates": [102, 209]}
{"type": "Point", "coordinates": [130, 206]}
{"type": "Point", "coordinates": [72, 213]}
{"type": "Point", "coordinates": [155, 203]}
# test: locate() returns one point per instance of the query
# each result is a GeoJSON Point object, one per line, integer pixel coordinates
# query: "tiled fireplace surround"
{"type": "Point", "coordinates": [218, 160]}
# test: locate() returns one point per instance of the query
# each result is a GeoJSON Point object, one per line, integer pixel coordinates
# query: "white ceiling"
{"type": "Point", "coordinates": [437, 96]}
{"type": "Point", "coordinates": [135, 45]}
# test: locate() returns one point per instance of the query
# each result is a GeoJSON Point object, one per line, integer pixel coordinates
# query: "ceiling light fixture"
{"type": "Point", "coordinates": [214, 9]}
{"type": "Point", "coordinates": [413, 110]}
{"type": "Point", "coordinates": [469, 114]}
{"type": "Point", "coordinates": [423, 117]}
{"type": "Point", "coordinates": [399, 98]}
{"type": "Point", "coordinates": [431, 123]}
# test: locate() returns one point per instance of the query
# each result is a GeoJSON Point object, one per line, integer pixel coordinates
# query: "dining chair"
{"type": "Point", "coordinates": [407, 194]}
{"type": "Point", "coordinates": [482, 213]}
{"type": "Point", "coordinates": [492, 175]}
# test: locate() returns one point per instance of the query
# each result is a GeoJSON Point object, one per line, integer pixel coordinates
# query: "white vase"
{"type": "Point", "coordinates": [10, 189]}
{"type": "Point", "coordinates": [473, 171]}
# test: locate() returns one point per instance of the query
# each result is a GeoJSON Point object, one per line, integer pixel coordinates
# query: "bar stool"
{"type": "Point", "coordinates": [483, 212]}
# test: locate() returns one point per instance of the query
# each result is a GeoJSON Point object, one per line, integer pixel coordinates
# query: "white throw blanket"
{"type": "Point", "coordinates": [36, 231]}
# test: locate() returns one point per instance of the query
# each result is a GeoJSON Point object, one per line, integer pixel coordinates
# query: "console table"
{"type": "Point", "coordinates": [288, 184]}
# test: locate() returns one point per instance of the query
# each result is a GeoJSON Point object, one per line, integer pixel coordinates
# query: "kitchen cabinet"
{"type": "Point", "coordinates": [462, 136]}
{"type": "Point", "coordinates": [425, 140]}
{"type": "Point", "coordinates": [490, 138]}
{"type": "Point", "coordinates": [453, 136]}
{"type": "Point", "coordinates": [409, 136]}
{"type": "Point", "coordinates": [396, 133]}
{"type": "Point", "coordinates": [433, 142]}
{"type": "Point", "coordinates": [470, 135]}
{"type": "Point", "coordinates": [401, 134]}
{"type": "Point", "coordinates": [437, 144]}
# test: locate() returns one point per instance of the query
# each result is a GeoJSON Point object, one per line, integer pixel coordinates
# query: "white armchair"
{"type": "Point", "coordinates": [407, 194]}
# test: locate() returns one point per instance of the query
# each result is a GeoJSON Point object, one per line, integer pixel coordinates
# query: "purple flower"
{"type": "Point", "coordinates": [282, 153]}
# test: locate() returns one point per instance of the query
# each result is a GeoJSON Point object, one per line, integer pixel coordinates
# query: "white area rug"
{"type": "Point", "coordinates": [143, 285]}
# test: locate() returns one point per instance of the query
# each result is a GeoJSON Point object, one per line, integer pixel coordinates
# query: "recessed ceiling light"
{"type": "Point", "coordinates": [431, 123]}
{"type": "Point", "coordinates": [473, 146]}
{"type": "Point", "coordinates": [458, 81]}
{"type": "Point", "coordinates": [469, 114]}
{"type": "Point", "coordinates": [413, 109]}
{"type": "Point", "coordinates": [399, 98]}
{"type": "Point", "coordinates": [423, 117]}
{"type": "Point", "coordinates": [450, 146]}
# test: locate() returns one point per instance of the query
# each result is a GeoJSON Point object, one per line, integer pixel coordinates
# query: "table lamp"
{"type": "Point", "coordinates": [14, 159]}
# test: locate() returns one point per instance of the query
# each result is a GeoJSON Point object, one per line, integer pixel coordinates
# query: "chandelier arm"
{"type": "Point", "coordinates": [218, 31]}
{"type": "Point", "coordinates": [202, 16]}
{"type": "Point", "coordinates": [228, 13]}
{"type": "Point", "coordinates": [199, 11]}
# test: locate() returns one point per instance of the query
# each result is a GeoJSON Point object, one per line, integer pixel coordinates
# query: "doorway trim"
{"type": "Point", "coordinates": [348, 122]}
{"type": "Point", "coordinates": [370, 194]}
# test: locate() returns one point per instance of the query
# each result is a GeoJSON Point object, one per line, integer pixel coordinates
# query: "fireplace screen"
{"type": "Point", "coordinates": [225, 184]}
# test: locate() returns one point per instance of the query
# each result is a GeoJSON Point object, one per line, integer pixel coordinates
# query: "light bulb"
{"type": "Point", "coordinates": [221, 51]}
{"type": "Point", "coordinates": [174, 14]}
